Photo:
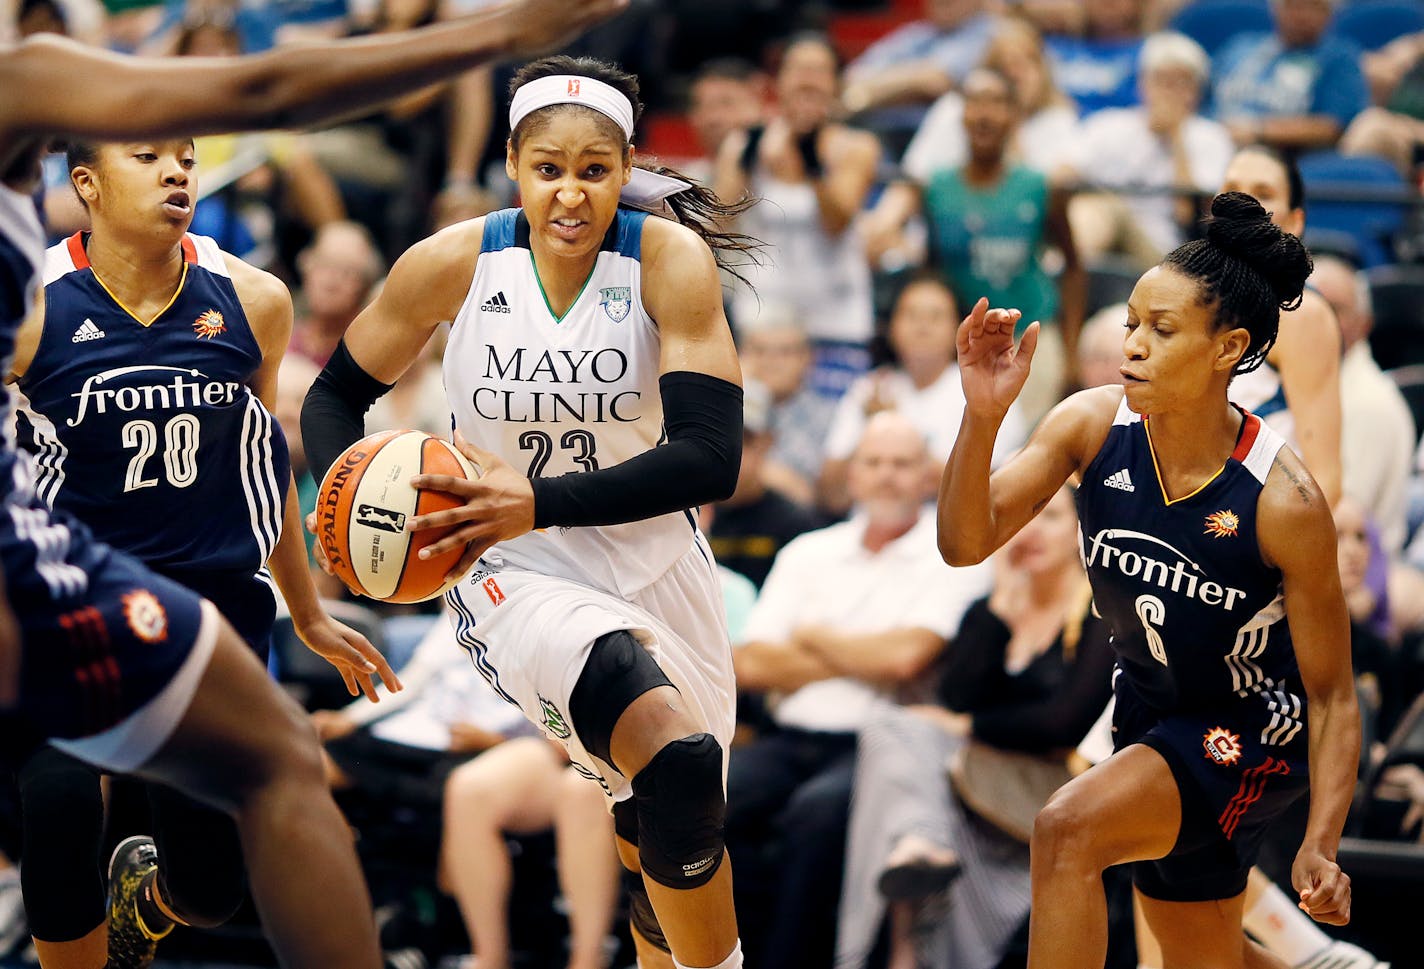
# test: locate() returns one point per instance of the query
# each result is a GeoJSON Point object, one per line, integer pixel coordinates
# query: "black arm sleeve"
{"type": "Point", "coordinates": [334, 413]}
{"type": "Point", "coordinates": [699, 463]}
{"type": "Point", "coordinates": [1062, 718]}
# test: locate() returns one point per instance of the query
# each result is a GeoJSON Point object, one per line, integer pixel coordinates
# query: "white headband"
{"type": "Point", "coordinates": [645, 189]}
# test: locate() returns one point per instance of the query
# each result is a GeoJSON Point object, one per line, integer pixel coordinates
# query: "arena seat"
{"type": "Point", "coordinates": [1110, 281]}
{"type": "Point", "coordinates": [1360, 195]}
{"type": "Point", "coordinates": [1373, 24]}
{"type": "Point", "coordinates": [1212, 23]}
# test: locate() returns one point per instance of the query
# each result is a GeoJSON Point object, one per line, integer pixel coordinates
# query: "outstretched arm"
{"type": "Point", "coordinates": [1297, 534]}
{"type": "Point", "coordinates": [268, 307]}
{"type": "Point", "coordinates": [57, 87]}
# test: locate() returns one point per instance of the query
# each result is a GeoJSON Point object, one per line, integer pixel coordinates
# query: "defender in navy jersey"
{"type": "Point", "coordinates": [1211, 553]}
{"type": "Point", "coordinates": [144, 373]}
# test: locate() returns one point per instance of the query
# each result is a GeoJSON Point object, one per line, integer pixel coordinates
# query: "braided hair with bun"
{"type": "Point", "coordinates": [1248, 269]}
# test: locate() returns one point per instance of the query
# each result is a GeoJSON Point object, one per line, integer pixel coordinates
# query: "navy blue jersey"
{"type": "Point", "coordinates": [149, 432]}
{"type": "Point", "coordinates": [1198, 618]}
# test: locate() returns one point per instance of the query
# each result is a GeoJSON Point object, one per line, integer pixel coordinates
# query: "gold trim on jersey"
{"type": "Point", "coordinates": [182, 278]}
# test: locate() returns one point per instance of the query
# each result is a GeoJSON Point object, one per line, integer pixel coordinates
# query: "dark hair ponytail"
{"type": "Point", "coordinates": [698, 207]}
{"type": "Point", "coordinates": [1249, 270]}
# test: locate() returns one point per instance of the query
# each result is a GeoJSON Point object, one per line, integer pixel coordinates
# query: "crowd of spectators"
{"type": "Point", "coordinates": [907, 157]}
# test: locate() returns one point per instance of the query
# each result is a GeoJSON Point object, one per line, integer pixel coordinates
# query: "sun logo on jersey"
{"type": "Point", "coordinates": [209, 325]}
{"type": "Point", "coordinates": [1222, 746]}
{"type": "Point", "coordinates": [1222, 524]}
{"type": "Point", "coordinates": [616, 302]}
{"type": "Point", "coordinates": [146, 616]}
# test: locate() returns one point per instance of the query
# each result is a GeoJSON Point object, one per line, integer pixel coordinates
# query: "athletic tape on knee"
{"type": "Point", "coordinates": [682, 812]}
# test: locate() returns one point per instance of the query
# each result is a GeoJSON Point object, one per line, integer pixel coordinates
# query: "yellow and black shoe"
{"type": "Point", "coordinates": [132, 945]}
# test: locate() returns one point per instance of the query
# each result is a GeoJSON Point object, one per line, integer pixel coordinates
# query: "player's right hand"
{"type": "Point", "coordinates": [541, 26]}
{"type": "Point", "coordinates": [991, 368]}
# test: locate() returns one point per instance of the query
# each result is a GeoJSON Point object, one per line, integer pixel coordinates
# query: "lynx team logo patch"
{"type": "Point", "coordinates": [554, 721]}
{"type": "Point", "coordinates": [146, 616]}
{"type": "Point", "coordinates": [616, 302]}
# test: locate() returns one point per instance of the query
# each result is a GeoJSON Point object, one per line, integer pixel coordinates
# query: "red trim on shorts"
{"type": "Point", "coordinates": [1250, 427]}
{"type": "Point", "coordinates": [1253, 785]}
{"type": "Point", "coordinates": [96, 671]}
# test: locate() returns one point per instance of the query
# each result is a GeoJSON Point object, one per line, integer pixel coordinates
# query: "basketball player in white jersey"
{"type": "Point", "coordinates": [591, 367]}
{"type": "Point", "coordinates": [199, 713]}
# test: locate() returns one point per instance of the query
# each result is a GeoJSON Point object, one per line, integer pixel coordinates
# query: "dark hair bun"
{"type": "Point", "coordinates": [1241, 229]}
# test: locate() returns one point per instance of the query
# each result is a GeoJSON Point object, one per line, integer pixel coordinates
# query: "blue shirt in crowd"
{"type": "Point", "coordinates": [1257, 76]}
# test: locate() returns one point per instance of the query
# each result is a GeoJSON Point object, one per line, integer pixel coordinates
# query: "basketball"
{"type": "Point", "coordinates": [364, 503]}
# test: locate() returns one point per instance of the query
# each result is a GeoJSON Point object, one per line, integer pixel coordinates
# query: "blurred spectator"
{"type": "Point", "coordinates": [418, 154]}
{"type": "Point", "coordinates": [989, 223]}
{"type": "Point", "coordinates": [812, 176]}
{"type": "Point", "coordinates": [526, 787]}
{"type": "Point", "coordinates": [337, 270]}
{"type": "Point", "coordinates": [1028, 672]}
{"type": "Point", "coordinates": [918, 62]}
{"type": "Point", "coordinates": [1162, 147]}
{"type": "Point", "coordinates": [1049, 119]}
{"type": "Point", "coordinates": [776, 353]}
{"type": "Point", "coordinates": [727, 95]}
{"type": "Point", "coordinates": [1297, 88]}
{"type": "Point", "coordinates": [1297, 389]}
{"type": "Point", "coordinates": [921, 382]}
{"type": "Point", "coordinates": [1376, 427]}
{"type": "Point", "coordinates": [1098, 67]}
{"type": "Point", "coordinates": [406, 746]}
{"type": "Point", "coordinates": [1100, 356]}
{"type": "Point", "coordinates": [748, 529]}
{"type": "Point", "coordinates": [850, 618]}
{"type": "Point", "coordinates": [1394, 127]}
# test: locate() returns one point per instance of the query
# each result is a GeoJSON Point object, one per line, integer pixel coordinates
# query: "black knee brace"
{"type": "Point", "coordinates": [682, 812]}
{"type": "Point", "coordinates": [617, 672]}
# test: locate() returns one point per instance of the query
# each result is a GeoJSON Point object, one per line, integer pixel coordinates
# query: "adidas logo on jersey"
{"type": "Point", "coordinates": [1122, 481]}
{"type": "Point", "coordinates": [495, 304]}
{"type": "Point", "coordinates": [87, 331]}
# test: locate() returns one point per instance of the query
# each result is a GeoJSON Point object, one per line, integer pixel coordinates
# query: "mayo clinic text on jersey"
{"type": "Point", "coordinates": [606, 365]}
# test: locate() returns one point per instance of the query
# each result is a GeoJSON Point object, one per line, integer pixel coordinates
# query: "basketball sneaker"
{"type": "Point", "coordinates": [131, 944]}
{"type": "Point", "coordinates": [1342, 955]}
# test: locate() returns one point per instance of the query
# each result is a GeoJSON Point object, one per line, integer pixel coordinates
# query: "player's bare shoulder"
{"type": "Point", "coordinates": [675, 261]}
{"type": "Point", "coordinates": [1292, 513]}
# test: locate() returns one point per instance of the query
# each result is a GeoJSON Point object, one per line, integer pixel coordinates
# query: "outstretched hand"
{"type": "Point", "coordinates": [1324, 889]}
{"type": "Point", "coordinates": [352, 654]}
{"type": "Point", "coordinates": [498, 505]}
{"type": "Point", "coordinates": [992, 369]}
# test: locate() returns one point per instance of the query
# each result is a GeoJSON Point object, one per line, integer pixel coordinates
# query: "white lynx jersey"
{"type": "Point", "coordinates": [556, 395]}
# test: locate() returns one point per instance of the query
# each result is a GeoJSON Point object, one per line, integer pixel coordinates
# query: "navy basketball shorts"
{"type": "Point", "coordinates": [112, 653]}
{"type": "Point", "coordinates": [245, 600]}
{"type": "Point", "coordinates": [1237, 769]}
